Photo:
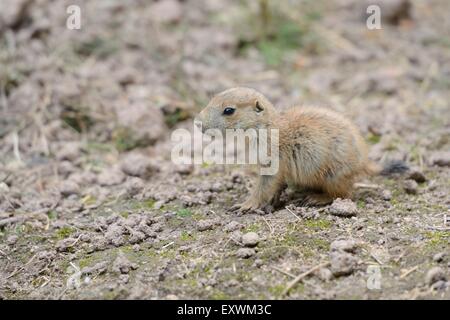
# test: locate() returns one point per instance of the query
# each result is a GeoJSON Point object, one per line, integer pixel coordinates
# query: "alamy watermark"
{"type": "Point", "coordinates": [73, 21]}
{"type": "Point", "coordinates": [374, 19]}
{"type": "Point", "coordinates": [235, 146]}
{"type": "Point", "coordinates": [374, 279]}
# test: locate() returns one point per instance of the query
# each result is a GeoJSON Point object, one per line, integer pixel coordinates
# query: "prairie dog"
{"type": "Point", "coordinates": [319, 150]}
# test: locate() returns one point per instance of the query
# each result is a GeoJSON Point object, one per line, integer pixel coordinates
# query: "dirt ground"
{"type": "Point", "coordinates": [91, 206]}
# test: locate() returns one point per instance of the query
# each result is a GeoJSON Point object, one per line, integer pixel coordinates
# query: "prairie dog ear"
{"type": "Point", "coordinates": [258, 106]}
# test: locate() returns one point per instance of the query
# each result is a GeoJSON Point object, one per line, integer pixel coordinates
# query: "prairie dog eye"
{"type": "Point", "coordinates": [228, 111]}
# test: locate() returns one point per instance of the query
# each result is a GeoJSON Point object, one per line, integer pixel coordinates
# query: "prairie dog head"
{"type": "Point", "coordinates": [236, 108]}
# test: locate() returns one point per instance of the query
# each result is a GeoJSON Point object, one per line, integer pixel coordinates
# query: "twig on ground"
{"type": "Point", "coordinates": [292, 212]}
{"type": "Point", "coordinates": [303, 275]}
{"type": "Point", "coordinates": [21, 268]}
{"type": "Point", "coordinates": [283, 272]}
{"type": "Point", "coordinates": [408, 272]}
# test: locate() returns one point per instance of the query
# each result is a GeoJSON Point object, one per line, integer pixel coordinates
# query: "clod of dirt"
{"type": "Point", "coordinates": [441, 159]}
{"type": "Point", "coordinates": [343, 208]}
{"type": "Point", "coordinates": [434, 275]}
{"type": "Point", "coordinates": [136, 236]}
{"type": "Point", "coordinates": [233, 226]}
{"type": "Point", "coordinates": [344, 245]}
{"type": "Point", "coordinates": [236, 236]}
{"type": "Point", "coordinates": [206, 224]}
{"type": "Point", "coordinates": [138, 165]}
{"type": "Point", "coordinates": [134, 186]}
{"type": "Point", "coordinates": [122, 264]}
{"type": "Point", "coordinates": [386, 195]}
{"type": "Point", "coordinates": [342, 263]}
{"type": "Point", "coordinates": [250, 239]}
{"type": "Point", "coordinates": [64, 244]}
{"type": "Point", "coordinates": [410, 186]}
{"type": "Point", "coordinates": [68, 188]}
{"type": "Point", "coordinates": [439, 257]}
{"type": "Point", "coordinates": [114, 235]}
{"type": "Point", "coordinates": [97, 268]}
{"type": "Point", "coordinates": [110, 177]}
{"type": "Point", "coordinates": [245, 253]}
{"type": "Point", "coordinates": [324, 274]}
{"type": "Point", "coordinates": [69, 151]}
{"type": "Point", "coordinates": [417, 176]}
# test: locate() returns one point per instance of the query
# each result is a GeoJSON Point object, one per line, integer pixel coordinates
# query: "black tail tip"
{"type": "Point", "coordinates": [395, 166]}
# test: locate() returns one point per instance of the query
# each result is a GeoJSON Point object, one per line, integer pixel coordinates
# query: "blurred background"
{"type": "Point", "coordinates": [86, 117]}
{"type": "Point", "coordinates": [136, 69]}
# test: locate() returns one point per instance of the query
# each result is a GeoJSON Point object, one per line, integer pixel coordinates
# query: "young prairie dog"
{"type": "Point", "coordinates": [319, 150]}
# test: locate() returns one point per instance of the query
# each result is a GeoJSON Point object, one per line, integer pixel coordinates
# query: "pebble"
{"type": "Point", "coordinates": [343, 208]}
{"type": "Point", "coordinates": [250, 239]}
{"type": "Point", "coordinates": [342, 263]}
{"type": "Point", "coordinates": [386, 195]}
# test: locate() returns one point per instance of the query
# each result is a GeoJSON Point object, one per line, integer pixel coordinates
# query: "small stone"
{"type": "Point", "coordinates": [344, 246]}
{"type": "Point", "coordinates": [439, 257]}
{"type": "Point", "coordinates": [171, 297]}
{"type": "Point", "coordinates": [343, 208]}
{"type": "Point", "coordinates": [68, 188]}
{"type": "Point", "coordinates": [206, 224]}
{"type": "Point", "coordinates": [410, 186]}
{"type": "Point", "coordinates": [250, 239]}
{"type": "Point", "coordinates": [434, 275]}
{"type": "Point", "coordinates": [245, 253]}
{"type": "Point", "coordinates": [386, 195]}
{"type": "Point", "coordinates": [417, 176]}
{"type": "Point", "coordinates": [342, 263]}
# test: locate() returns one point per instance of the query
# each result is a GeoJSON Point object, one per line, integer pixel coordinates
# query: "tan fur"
{"type": "Point", "coordinates": [319, 149]}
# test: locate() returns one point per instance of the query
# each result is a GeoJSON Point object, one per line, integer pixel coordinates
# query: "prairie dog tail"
{"type": "Point", "coordinates": [389, 168]}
